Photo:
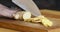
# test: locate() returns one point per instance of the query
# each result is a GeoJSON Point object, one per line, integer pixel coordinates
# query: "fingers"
{"type": "Point", "coordinates": [5, 11]}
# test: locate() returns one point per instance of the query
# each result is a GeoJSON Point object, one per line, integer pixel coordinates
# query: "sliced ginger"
{"type": "Point", "coordinates": [46, 22]}
{"type": "Point", "coordinates": [27, 17]}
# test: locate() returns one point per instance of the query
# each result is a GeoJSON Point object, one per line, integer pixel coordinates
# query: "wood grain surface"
{"type": "Point", "coordinates": [7, 30]}
{"type": "Point", "coordinates": [21, 26]}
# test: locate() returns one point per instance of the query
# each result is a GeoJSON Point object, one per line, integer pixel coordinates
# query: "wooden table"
{"type": "Point", "coordinates": [22, 26]}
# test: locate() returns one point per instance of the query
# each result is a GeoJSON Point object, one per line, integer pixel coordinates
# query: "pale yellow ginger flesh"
{"type": "Point", "coordinates": [16, 16]}
{"type": "Point", "coordinates": [26, 15]}
{"type": "Point", "coordinates": [36, 19]}
{"type": "Point", "coordinates": [46, 22]}
{"type": "Point", "coordinates": [22, 15]}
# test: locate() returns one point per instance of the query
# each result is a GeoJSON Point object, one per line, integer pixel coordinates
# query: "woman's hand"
{"type": "Point", "coordinates": [5, 11]}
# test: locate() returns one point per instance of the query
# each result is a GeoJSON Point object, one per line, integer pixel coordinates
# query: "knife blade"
{"type": "Point", "coordinates": [28, 5]}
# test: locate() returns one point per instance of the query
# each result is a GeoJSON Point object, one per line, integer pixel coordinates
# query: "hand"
{"type": "Point", "coordinates": [5, 11]}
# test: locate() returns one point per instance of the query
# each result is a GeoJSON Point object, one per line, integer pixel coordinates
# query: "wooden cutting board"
{"type": "Point", "coordinates": [21, 26]}
{"type": "Point", "coordinates": [52, 15]}
{"type": "Point", "coordinates": [7, 30]}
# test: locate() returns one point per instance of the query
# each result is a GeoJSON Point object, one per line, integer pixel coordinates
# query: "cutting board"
{"type": "Point", "coordinates": [7, 30]}
{"type": "Point", "coordinates": [17, 25]}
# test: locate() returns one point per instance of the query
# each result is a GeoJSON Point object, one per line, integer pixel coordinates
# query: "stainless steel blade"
{"type": "Point", "coordinates": [28, 5]}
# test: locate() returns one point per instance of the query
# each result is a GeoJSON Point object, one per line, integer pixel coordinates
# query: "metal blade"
{"type": "Point", "coordinates": [28, 5]}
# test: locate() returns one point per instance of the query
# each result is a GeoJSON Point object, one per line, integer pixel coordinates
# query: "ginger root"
{"type": "Point", "coordinates": [46, 22]}
{"type": "Point", "coordinates": [26, 16]}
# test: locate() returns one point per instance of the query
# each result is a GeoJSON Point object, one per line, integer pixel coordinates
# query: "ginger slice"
{"type": "Point", "coordinates": [46, 22]}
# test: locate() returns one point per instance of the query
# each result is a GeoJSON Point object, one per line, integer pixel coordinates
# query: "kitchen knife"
{"type": "Point", "coordinates": [28, 5]}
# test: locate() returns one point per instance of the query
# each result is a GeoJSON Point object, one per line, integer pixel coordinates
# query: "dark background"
{"type": "Point", "coordinates": [42, 4]}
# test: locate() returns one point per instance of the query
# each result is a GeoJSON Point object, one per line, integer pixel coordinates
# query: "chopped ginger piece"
{"type": "Point", "coordinates": [46, 22]}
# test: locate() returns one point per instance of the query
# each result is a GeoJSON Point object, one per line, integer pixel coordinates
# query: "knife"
{"type": "Point", "coordinates": [28, 5]}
